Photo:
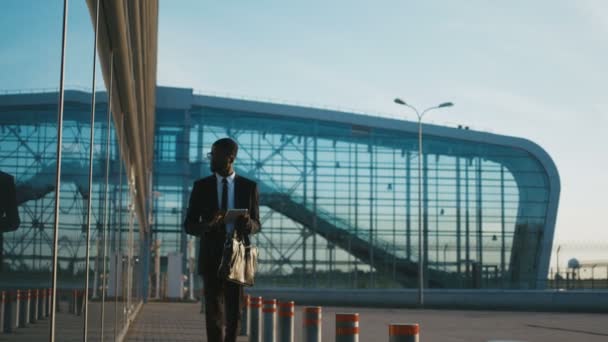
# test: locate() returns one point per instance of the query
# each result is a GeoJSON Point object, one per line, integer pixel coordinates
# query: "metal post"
{"type": "Point", "coordinates": [458, 219]}
{"type": "Point", "coordinates": [286, 321]}
{"type": "Point", "coordinates": [55, 249]}
{"type": "Point", "coordinates": [347, 327]}
{"type": "Point", "coordinates": [421, 260]}
{"type": "Point", "coordinates": [407, 332]}
{"type": "Point", "coordinates": [420, 245]}
{"type": "Point", "coordinates": [270, 320]}
{"type": "Point", "coordinates": [312, 324]}
{"type": "Point", "coordinates": [557, 279]}
{"type": "Point", "coordinates": [255, 309]}
{"type": "Point", "coordinates": [245, 317]}
{"type": "Point", "coordinates": [408, 214]}
{"type": "Point", "coordinates": [90, 194]}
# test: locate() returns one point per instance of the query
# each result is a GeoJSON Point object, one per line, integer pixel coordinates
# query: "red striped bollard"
{"type": "Point", "coordinates": [255, 327]}
{"type": "Point", "coordinates": [286, 325]}
{"type": "Point", "coordinates": [72, 301]}
{"type": "Point", "coordinates": [43, 304]}
{"type": "Point", "coordinates": [18, 298]}
{"type": "Point", "coordinates": [49, 294]}
{"type": "Point", "coordinates": [34, 306]}
{"type": "Point", "coordinates": [202, 301]}
{"type": "Point", "coordinates": [407, 332]}
{"type": "Point", "coordinates": [312, 324]}
{"type": "Point", "coordinates": [24, 308]}
{"type": "Point", "coordinates": [2, 304]}
{"type": "Point", "coordinates": [79, 301]}
{"type": "Point", "coordinates": [245, 317]}
{"type": "Point", "coordinates": [347, 327]}
{"type": "Point", "coordinates": [270, 320]}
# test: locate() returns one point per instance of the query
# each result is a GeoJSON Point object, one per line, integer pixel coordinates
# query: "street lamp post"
{"type": "Point", "coordinates": [557, 278]}
{"type": "Point", "coordinates": [420, 245]}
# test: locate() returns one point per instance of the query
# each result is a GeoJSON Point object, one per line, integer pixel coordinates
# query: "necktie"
{"type": "Point", "coordinates": [224, 207]}
{"type": "Point", "coordinates": [224, 194]}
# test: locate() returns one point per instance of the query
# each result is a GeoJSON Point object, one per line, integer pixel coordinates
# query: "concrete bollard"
{"type": "Point", "coordinates": [313, 326]}
{"type": "Point", "coordinates": [270, 320]}
{"type": "Point", "coordinates": [11, 311]}
{"type": "Point", "coordinates": [245, 317]}
{"type": "Point", "coordinates": [403, 332]}
{"type": "Point", "coordinates": [286, 318]}
{"type": "Point", "coordinates": [255, 326]}
{"type": "Point", "coordinates": [24, 309]}
{"type": "Point", "coordinates": [347, 327]}
{"type": "Point", "coordinates": [34, 306]}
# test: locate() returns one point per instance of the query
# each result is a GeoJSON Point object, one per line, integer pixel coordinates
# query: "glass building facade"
{"type": "Point", "coordinates": [338, 191]}
{"type": "Point", "coordinates": [339, 195]}
{"type": "Point", "coordinates": [70, 152]}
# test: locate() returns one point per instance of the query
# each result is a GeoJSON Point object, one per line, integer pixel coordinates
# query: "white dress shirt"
{"type": "Point", "coordinates": [230, 179]}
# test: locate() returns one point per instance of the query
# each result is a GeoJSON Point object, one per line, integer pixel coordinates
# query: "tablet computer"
{"type": "Point", "coordinates": [232, 214]}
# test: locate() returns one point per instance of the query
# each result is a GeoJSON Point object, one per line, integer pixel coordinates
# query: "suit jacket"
{"type": "Point", "coordinates": [9, 213]}
{"type": "Point", "coordinates": [202, 207]}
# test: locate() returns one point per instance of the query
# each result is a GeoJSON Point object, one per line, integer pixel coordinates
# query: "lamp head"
{"type": "Point", "coordinates": [445, 104]}
{"type": "Point", "coordinates": [399, 101]}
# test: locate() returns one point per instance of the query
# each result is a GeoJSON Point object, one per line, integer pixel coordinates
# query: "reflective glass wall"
{"type": "Point", "coordinates": [340, 200]}
{"type": "Point", "coordinates": [96, 242]}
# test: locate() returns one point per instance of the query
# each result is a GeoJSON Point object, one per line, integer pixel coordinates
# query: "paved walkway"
{"type": "Point", "coordinates": [68, 327]}
{"type": "Point", "coordinates": [178, 322]}
{"type": "Point", "coordinates": [183, 322]}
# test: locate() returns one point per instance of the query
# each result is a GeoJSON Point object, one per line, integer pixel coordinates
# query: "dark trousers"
{"type": "Point", "coordinates": [223, 304]}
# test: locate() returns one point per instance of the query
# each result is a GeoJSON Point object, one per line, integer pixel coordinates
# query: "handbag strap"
{"type": "Point", "coordinates": [244, 238]}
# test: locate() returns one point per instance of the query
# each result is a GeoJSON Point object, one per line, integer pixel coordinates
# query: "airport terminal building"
{"type": "Point", "coordinates": [338, 192]}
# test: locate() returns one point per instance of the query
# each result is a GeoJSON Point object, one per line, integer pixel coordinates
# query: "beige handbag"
{"type": "Point", "coordinates": [239, 260]}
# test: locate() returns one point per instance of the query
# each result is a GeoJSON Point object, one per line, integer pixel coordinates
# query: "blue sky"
{"type": "Point", "coordinates": [530, 69]}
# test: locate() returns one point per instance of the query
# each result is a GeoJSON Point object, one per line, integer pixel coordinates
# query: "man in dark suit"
{"type": "Point", "coordinates": [9, 214]}
{"type": "Point", "coordinates": [211, 197]}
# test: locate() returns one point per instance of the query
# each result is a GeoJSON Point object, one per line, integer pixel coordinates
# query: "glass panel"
{"type": "Point", "coordinates": [97, 207]}
{"type": "Point", "coordinates": [72, 247]}
{"type": "Point", "coordinates": [30, 53]}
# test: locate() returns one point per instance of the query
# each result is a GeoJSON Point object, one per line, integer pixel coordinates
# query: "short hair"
{"type": "Point", "coordinates": [228, 145]}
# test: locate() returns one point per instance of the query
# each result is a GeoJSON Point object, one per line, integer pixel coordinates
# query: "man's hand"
{"type": "Point", "coordinates": [216, 222]}
{"type": "Point", "coordinates": [243, 224]}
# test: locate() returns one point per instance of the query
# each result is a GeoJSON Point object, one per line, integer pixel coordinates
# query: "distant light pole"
{"type": "Point", "coordinates": [420, 245]}
{"type": "Point", "coordinates": [557, 266]}
{"type": "Point", "coordinates": [445, 261]}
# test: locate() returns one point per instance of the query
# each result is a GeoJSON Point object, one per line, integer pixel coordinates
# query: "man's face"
{"type": "Point", "coordinates": [221, 160]}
